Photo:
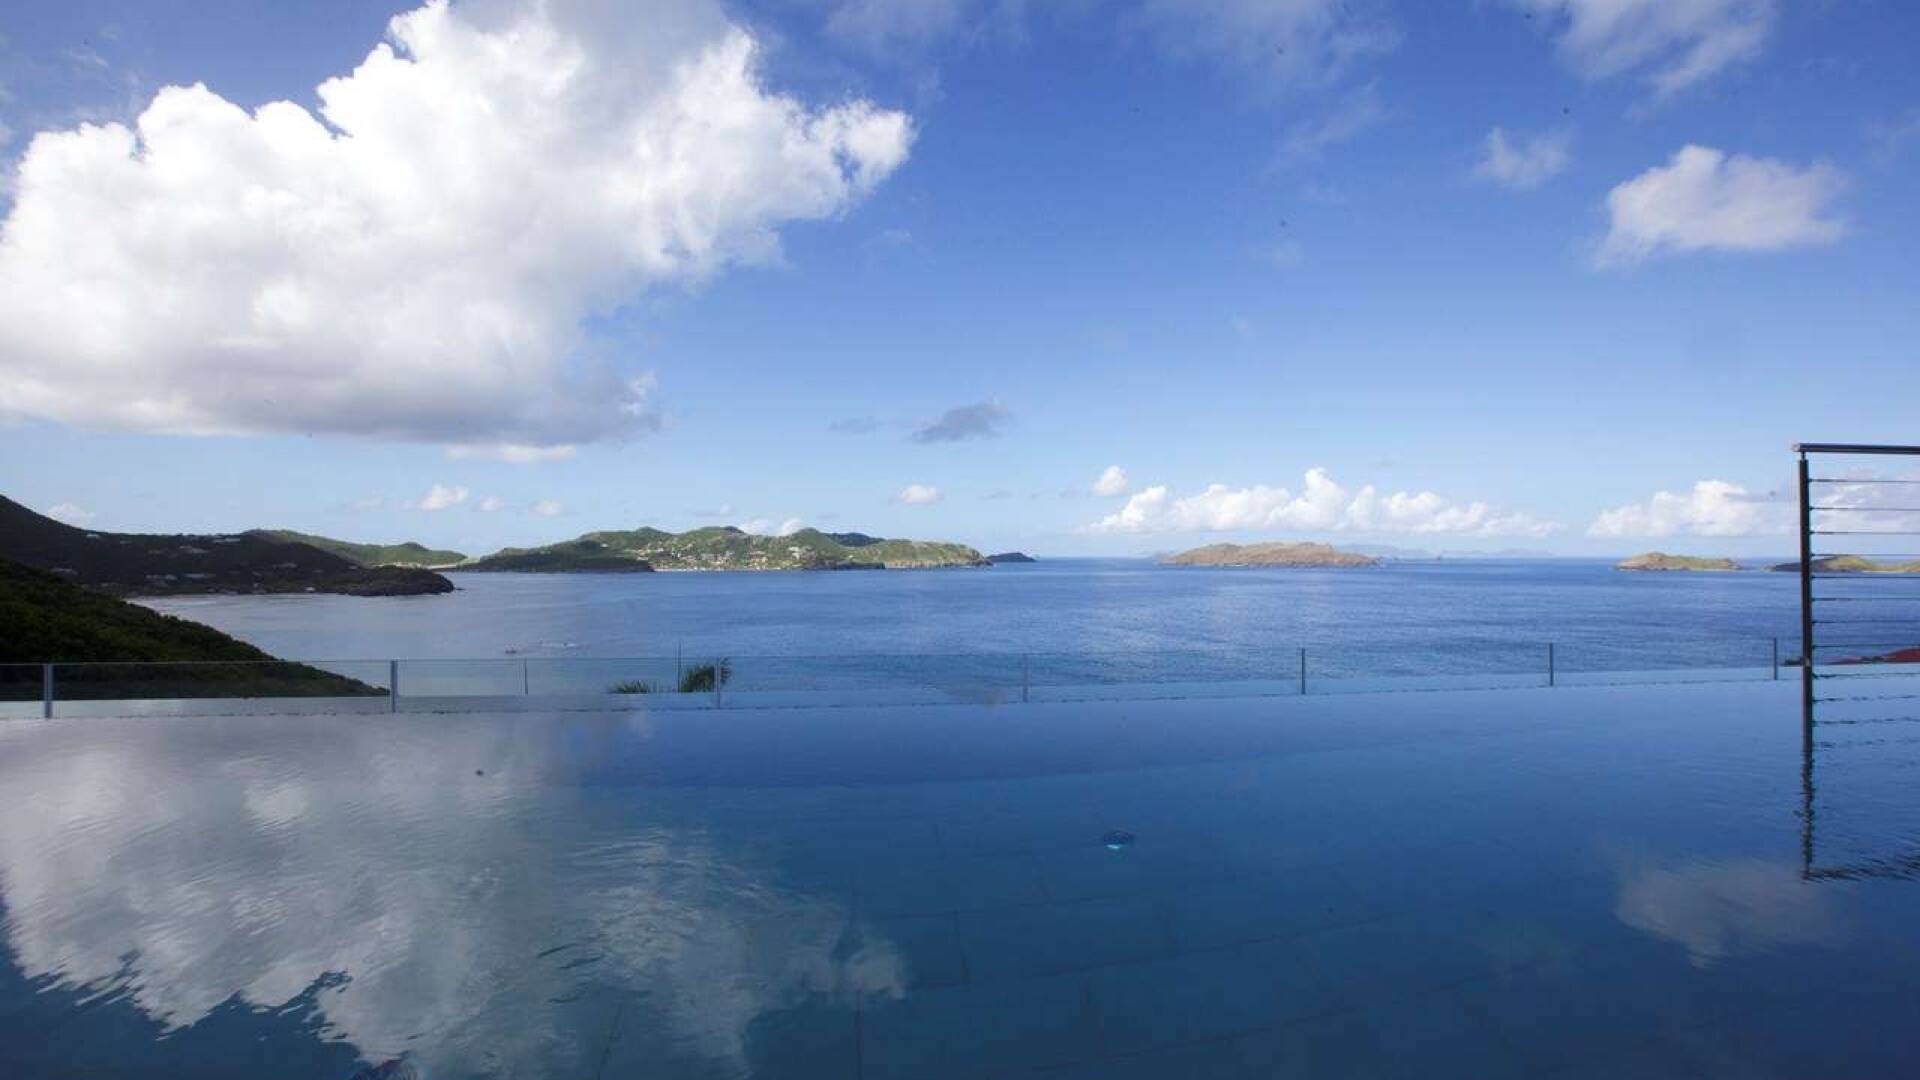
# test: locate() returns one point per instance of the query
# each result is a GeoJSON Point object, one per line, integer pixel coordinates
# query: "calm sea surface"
{"type": "Point", "coordinates": [1401, 616]}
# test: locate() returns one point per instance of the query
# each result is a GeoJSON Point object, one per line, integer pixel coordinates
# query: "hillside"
{"type": "Point", "coordinates": [49, 620]}
{"type": "Point", "coordinates": [1661, 561]}
{"type": "Point", "coordinates": [1010, 557]}
{"type": "Point", "coordinates": [143, 564]}
{"type": "Point", "coordinates": [1254, 555]}
{"type": "Point", "coordinates": [728, 548]}
{"type": "Point", "coordinates": [408, 553]}
{"type": "Point", "coordinates": [1853, 564]}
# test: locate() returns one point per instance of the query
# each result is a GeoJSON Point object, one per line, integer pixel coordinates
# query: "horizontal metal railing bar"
{"type": "Point", "coordinates": [1866, 532]}
{"type": "Point", "coordinates": [1868, 480]}
{"type": "Point", "coordinates": [1866, 599]}
{"type": "Point", "coordinates": [1853, 448]}
{"type": "Point", "coordinates": [1867, 509]}
{"type": "Point", "coordinates": [1861, 575]}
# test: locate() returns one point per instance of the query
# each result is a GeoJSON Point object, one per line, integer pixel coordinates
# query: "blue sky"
{"type": "Point", "coordinates": [932, 267]}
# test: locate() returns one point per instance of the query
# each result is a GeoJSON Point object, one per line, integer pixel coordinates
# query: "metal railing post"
{"type": "Point", "coordinates": [1776, 659]}
{"type": "Point", "coordinates": [46, 691]}
{"type": "Point", "coordinates": [393, 686]}
{"type": "Point", "coordinates": [1806, 589]}
{"type": "Point", "coordinates": [1303, 672]}
{"type": "Point", "coordinates": [1549, 663]}
{"type": "Point", "coordinates": [1026, 678]}
{"type": "Point", "coordinates": [526, 686]}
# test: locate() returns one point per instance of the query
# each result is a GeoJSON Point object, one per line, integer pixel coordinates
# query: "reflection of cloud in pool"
{"type": "Point", "coordinates": [1721, 908]}
{"type": "Point", "coordinates": [476, 918]}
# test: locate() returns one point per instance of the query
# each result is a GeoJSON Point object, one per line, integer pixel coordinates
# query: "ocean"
{"type": "Point", "coordinates": [1106, 618]}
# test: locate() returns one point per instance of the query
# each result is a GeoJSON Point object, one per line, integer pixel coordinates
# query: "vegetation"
{"type": "Point", "coordinates": [699, 679]}
{"type": "Point", "coordinates": [728, 548]}
{"type": "Point", "coordinates": [1011, 557]}
{"type": "Point", "coordinates": [143, 564]}
{"type": "Point", "coordinates": [1245, 555]}
{"type": "Point", "coordinates": [1660, 560]}
{"type": "Point", "coordinates": [132, 652]}
{"type": "Point", "coordinates": [402, 554]}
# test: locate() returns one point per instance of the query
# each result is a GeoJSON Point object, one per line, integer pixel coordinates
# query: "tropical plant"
{"type": "Point", "coordinates": [705, 678]}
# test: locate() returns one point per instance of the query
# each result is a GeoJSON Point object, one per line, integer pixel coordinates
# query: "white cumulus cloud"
{"type": "Point", "coordinates": [1526, 162]}
{"type": "Point", "coordinates": [1672, 44]}
{"type": "Point", "coordinates": [1711, 508]}
{"type": "Point", "coordinates": [917, 495]}
{"type": "Point", "coordinates": [414, 259]}
{"type": "Point", "coordinates": [548, 507]}
{"type": "Point", "coordinates": [1707, 200]}
{"type": "Point", "coordinates": [489, 504]}
{"type": "Point", "coordinates": [1321, 505]}
{"type": "Point", "coordinates": [1111, 481]}
{"type": "Point", "coordinates": [442, 496]}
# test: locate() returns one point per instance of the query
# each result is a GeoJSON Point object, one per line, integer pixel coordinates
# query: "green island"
{"type": "Point", "coordinates": [728, 548]}
{"type": "Point", "coordinates": [1010, 557]}
{"type": "Point", "coordinates": [109, 648]}
{"type": "Point", "coordinates": [407, 553]}
{"type": "Point", "coordinates": [1661, 561]}
{"type": "Point", "coordinates": [148, 564]}
{"type": "Point", "coordinates": [1852, 564]}
{"type": "Point", "coordinates": [1273, 554]}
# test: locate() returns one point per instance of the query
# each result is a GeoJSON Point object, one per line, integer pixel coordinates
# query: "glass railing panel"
{"type": "Point", "coordinates": [206, 680]}
{"type": "Point", "coordinates": [1458, 665]}
{"type": "Point", "coordinates": [1661, 659]}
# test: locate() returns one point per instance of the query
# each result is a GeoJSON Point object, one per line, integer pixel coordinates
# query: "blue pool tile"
{"type": "Point", "coordinates": [1340, 1045]}
{"type": "Point", "coordinates": [928, 947]}
{"type": "Point", "coordinates": [1202, 996]}
{"type": "Point", "coordinates": [1558, 1017]}
{"type": "Point", "coordinates": [1263, 908]}
{"type": "Point", "coordinates": [957, 884]}
{"type": "Point", "coordinates": [1432, 1037]}
{"type": "Point", "coordinates": [979, 1030]}
{"type": "Point", "coordinates": [1030, 941]}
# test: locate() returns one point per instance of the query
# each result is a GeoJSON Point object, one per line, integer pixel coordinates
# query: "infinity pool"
{"type": "Point", "coordinates": [1607, 882]}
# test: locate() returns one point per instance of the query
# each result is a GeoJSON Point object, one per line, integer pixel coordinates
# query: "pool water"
{"type": "Point", "coordinates": [1610, 882]}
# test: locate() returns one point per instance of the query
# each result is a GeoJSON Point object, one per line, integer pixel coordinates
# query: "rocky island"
{"type": "Point", "coordinates": [1010, 557]}
{"type": "Point", "coordinates": [1661, 561]}
{"type": "Point", "coordinates": [1852, 564]}
{"type": "Point", "coordinates": [150, 564]}
{"type": "Point", "coordinates": [728, 548]}
{"type": "Point", "coordinates": [1277, 554]}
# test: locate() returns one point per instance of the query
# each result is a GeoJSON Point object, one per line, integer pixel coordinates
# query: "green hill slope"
{"type": "Point", "coordinates": [44, 619]}
{"type": "Point", "coordinates": [408, 553]}
{"type": "Point", "coordinates": [728, 548]}
{"type": "Point", "coordinates": [146, 564]}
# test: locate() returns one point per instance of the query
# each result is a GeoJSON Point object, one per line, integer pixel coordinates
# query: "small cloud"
{"type": "Point", "coordinates": [489, 504]}
{"type": "Point", "coordinates": [1673, 44]}
{"type": "Point", "coordinates": [1525, 163]}
{"type": "Point", "coordinates": [548, 508]}
{"type": "Point", "coordinates": [1707, 200]}
{"type": "Point", "coordinates": [442, 496]}
{"type": "Point", "coordinates": [69, 513]}
{"type": "Point", "coordinates": [982, 420]}
{"type": "Point", "coordinates": [917, 495]}
{"type": "Point", "coordinates": [854, 425]}
{"type": "Point", "coordinates": [1321, 505]}
{"type": "Point", "coordinates": [1111, 481]}
{"type": "Point", "coordinates": [1711, 508]}
{"type": "Point", "coordinates": [789, 527]}
{"type": "Point", "coordinates": [1285, 254]}
{"type": "Point", "coordinates": [1310, 140]}
{"type": "Point", "coordinates": [512, 453]}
